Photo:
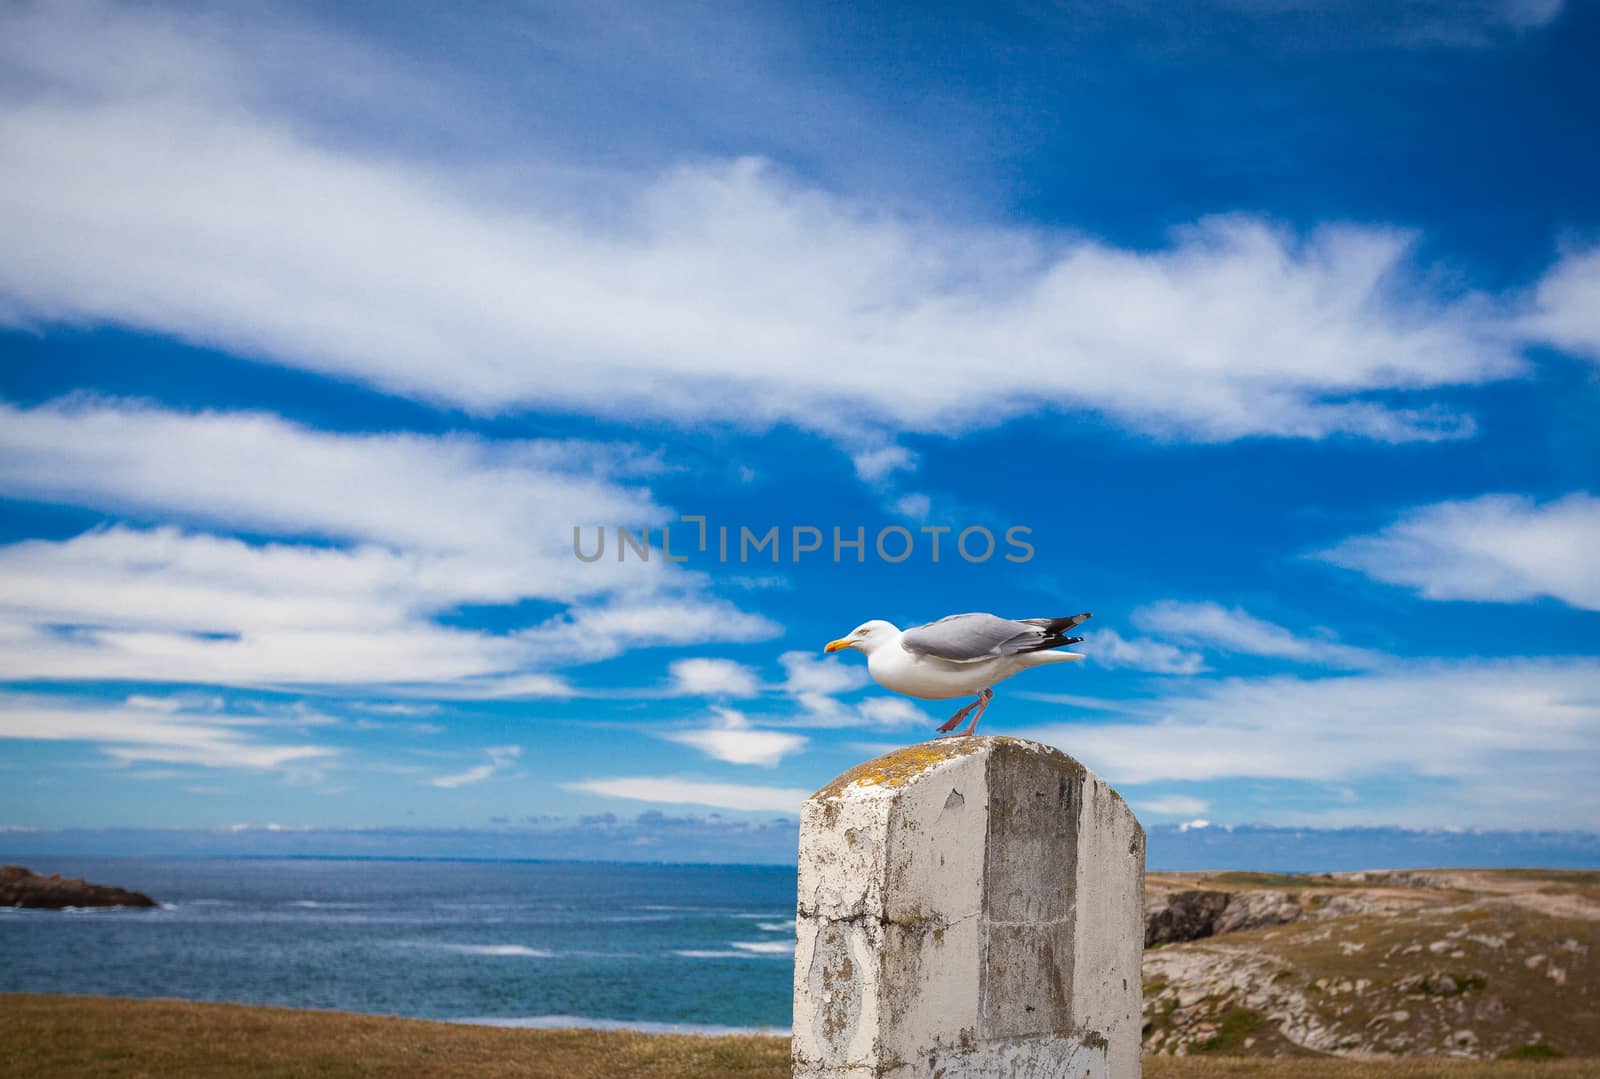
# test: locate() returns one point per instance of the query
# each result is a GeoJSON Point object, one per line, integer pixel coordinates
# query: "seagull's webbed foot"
{"type": "Point", "coordinates": [948, 730]}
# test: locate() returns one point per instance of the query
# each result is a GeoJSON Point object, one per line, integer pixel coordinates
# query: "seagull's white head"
{"type": "Point", "coordinates": [868, 637]}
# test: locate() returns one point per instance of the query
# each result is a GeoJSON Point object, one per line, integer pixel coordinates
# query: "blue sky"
{"type": "Point", "coordinates": [1275, 324]}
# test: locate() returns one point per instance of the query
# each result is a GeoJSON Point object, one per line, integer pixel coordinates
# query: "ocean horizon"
{"type": "Point", "coordinates": [532, 943]}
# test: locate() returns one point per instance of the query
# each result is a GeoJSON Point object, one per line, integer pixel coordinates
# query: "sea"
{"type": "Point", "coordinates": [660, 948]}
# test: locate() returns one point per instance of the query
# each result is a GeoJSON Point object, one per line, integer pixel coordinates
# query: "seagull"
{"type": "Point", "coordinates": [959, 655]}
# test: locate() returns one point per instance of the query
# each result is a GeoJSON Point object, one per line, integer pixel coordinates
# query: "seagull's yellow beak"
{"type": "Point", "coordinates": [834, 646]}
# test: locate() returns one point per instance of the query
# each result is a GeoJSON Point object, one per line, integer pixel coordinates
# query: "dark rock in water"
{"type": "Point", "coordinates": [20, 887]}
{"type": "Point", "coordinates": [1187, 916]}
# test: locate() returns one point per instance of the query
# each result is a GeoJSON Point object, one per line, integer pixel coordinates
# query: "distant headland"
{"type": "Point", "coordinates": [22, 887]}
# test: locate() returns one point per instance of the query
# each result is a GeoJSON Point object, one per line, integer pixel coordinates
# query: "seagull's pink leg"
{"type": "Point", "coordinates": [983, 704]}
{"type": "Point", "coordinates": [955, 721]}
{"type": "Point", "coordinates": [948, 730]}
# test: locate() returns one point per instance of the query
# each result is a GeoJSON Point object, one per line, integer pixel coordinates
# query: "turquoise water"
{"type": "Point", "coordinates": [507, 942]}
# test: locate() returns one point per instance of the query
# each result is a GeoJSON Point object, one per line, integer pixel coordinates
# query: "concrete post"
{"type": "Point", "coordinates": [968, 907]}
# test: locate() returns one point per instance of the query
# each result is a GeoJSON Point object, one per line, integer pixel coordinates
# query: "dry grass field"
{"type": "Point", "coordinates": [45, 1037]}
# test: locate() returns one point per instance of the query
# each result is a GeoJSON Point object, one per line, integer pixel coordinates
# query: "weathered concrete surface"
{"type": "Point", "coordinates": [968, 907]}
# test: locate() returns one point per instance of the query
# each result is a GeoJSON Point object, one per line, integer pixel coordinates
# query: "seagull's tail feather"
{"type": "Point", "coordinates": [1054, 632]}
{"type": "Point", "coordinates": [1042, 659]}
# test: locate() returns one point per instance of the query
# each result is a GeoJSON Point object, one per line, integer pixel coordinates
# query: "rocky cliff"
{"type": "Point", "coordinates": [1198, 913]}
{"type": "Point", "coordinates": [1461, 963]}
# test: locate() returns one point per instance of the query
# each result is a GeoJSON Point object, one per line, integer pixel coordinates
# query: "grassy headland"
{"type": "Point", "coordinates": [1419, 963]}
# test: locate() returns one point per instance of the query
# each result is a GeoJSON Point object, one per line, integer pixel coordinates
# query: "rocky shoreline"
{"type": "Point", "coordinates": [1472, 964]}
{"type": "Point", "coordinates": [22, 887]}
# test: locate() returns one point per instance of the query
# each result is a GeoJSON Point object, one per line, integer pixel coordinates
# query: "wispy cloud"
{"type": "Point", "coordinates": [916, 506]}
{"type": "Point", "coordinates": [145, 730]}
{"type": "Point", "coordinates": [1503, 548]}
{"type": "Point", "coordinates": [380, 534]}
{"type": "Point", "coordinates": [1491, 741]}
{"type": "Point", "coordinates": [1074, 700]}
{"type": "Point", "coordinates": [731, 738]}
{"type": "Point", "coordinates": [806, 672]}
{"type": "Point", "coordinates": [166, 606]}
{"type": "Point", "coordinates": [1224, 629]}
{"type": "Point", "coordinates": [703, 677]}
{"type": "Point", "coordinates": [890, 711]}
{"type": "Point", "coordinates": [494, 516]}
{"type": "Point", "coordinates": [815, 683]}
{"type": "Point", "coordinates": [1111, 649]}
{"type": "Point", "coordinates": [668, 791]}
{"type": "Point", "coordinates": [1566, 305]}
{"type": "Point", "coordinates": [706, 291]}
{"type": "Point", "coordinates": [588, 633]}
{"type": "Point", "coordinates": [1172, 805]}
{"type": "Point", "coordinates": [1407, 23]}
{"type": "Point", "coordinates": [501, 759]}
{"type": "Point", "coordinates": [880, 462]}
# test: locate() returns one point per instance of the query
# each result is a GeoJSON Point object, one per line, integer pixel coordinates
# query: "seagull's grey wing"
{"type": "Point", "coordinates": [963, 638]}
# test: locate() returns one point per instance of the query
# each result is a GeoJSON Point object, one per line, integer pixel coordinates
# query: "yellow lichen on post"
{"type": "Point", "coordinates": [898, 768]}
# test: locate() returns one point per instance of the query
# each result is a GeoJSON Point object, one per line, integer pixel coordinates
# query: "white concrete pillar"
{"type": "Point", "coordinates": [968, 907]}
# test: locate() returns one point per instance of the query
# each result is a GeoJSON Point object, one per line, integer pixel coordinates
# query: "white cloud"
{"type": "Point", "coordinates": [814, 683]}
{"type": "Point", "coordinates": [1566, 305]}
{"type": "Point", "coordinates": [1075, 700]}
{"type": "Point", "coordinates": [891, 712]}
{"type": "Point", "coordinates": [154, 704]}
{"type": "Point", "coordinates": [493, 687]}
{"type": "Point", "coordinates": [501, 759]}
{"type": "Point", "coordinates": [667, 791]}
{"type": "Point", "coordinates": [1173, 805]}
{"type": "Point", "coordinates": [876, 465]}
{"type": "Point", "coordinates": [165, 606]}
{"type": "Point", "coordinates": [1416, 23]}
{"type": "Point", "coordinates": [702, 677]}
{"type": "Point", "coordinates": [1503, 548]}
{"type": "Point", "coordinates": [1110, 649]}
{"type": "Point", "coordinates": [886, 710]}
{"type": "Point", "coordinates": [1527, 14]}
{"type": "Point", "coordinates": [423, 525]}
{"type": "Point", "coordinates": [599, 632]}
{"type": "Point", "coordinates": [732, 739]}
{"type": "Point", "coordinates": [394, 708]}
{"type": "Point", "coordinates": [719, 290]}
{"type": "Point", "coordinates": [806, 672]}
{"type": "Point", "coordinates": [1473, 743]}
{"type": "Point", "coordinates": [1223, 629]}
{"type": "Point", "coordinates": [916, 506]}
{"type": "Point", "coordinates": [495, 517]}
{"type": "Point", "coordinates": [140, 733]}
